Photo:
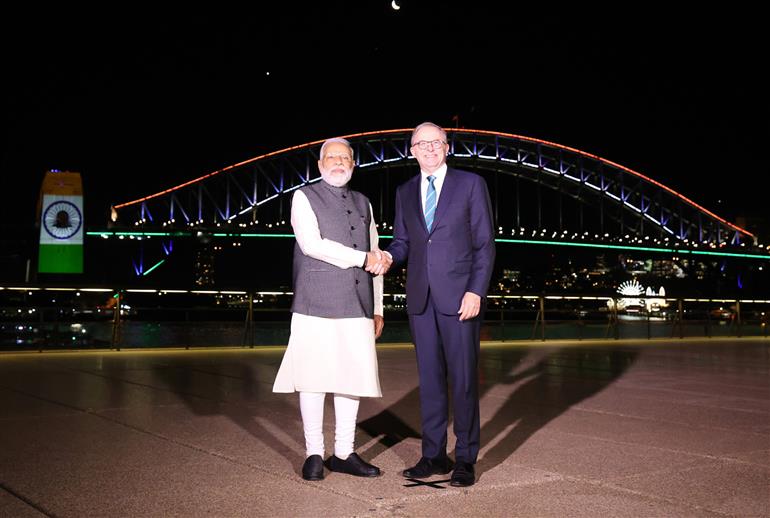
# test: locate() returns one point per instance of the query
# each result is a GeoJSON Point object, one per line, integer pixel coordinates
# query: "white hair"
{"type": "Point", "coordinates": [336, 141]}
{"type": "Point", "coordinates": [428, 124]}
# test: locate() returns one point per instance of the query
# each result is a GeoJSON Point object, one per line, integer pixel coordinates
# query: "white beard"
{"type": "Point", "coordinates": [335, 179]}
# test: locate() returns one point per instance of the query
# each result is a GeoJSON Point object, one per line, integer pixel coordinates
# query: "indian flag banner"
{"type": "Point", "coordinates": [61, 223]}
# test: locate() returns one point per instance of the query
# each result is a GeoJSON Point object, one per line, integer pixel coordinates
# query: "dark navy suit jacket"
{"type": "Point", "coordinates": [457, 255]}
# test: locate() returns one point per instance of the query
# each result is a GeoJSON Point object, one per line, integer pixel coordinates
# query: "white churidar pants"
{"type": "Point", "coordinates": [311, 405]}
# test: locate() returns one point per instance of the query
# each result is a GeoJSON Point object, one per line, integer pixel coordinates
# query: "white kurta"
{"type": "Point", "coordinates": [330, 354]}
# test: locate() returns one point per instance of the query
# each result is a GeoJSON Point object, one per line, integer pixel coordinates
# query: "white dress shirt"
{"type": "Point", "coordinates": [440, 174]}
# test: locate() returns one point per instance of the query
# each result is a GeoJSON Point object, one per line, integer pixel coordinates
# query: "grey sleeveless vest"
{"type": "Point", "coordinates": [322, 289]}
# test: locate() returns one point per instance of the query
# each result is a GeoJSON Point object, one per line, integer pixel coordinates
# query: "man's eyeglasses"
{"type": "Point", "coordinates": [346, 159]}
{"type": "Point", "coordinates": [424, 144]}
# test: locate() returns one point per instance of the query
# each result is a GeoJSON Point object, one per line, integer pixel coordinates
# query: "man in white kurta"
{"type": "Point", "coordinates": [335, 355]}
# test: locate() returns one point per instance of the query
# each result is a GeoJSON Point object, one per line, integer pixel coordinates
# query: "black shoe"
{"type": "Point", "coordinates": [313, 468]}
{"type": "Point", "coordinates": [463, 475]}
{"type": "Point", "coordinates": [353, 465]}
{"type": "Point", "coordinates": [428, 467]}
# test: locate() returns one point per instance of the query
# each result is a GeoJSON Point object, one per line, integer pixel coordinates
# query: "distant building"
{"type": "Point", "coordinates": [636, 299]}
{"type": "Point", "coordinates": [204, 266]}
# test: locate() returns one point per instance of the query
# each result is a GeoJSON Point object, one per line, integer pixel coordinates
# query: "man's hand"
{"type": "Point", "coordinates": [378, 262]}
{"type": "Point", "coordinates": [379, 323]}
{"type": "Point", "coordinates": [470, 306]}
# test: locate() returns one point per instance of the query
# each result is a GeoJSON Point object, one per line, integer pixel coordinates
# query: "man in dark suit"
{"type": "Point", "coordinates": [444, 231]}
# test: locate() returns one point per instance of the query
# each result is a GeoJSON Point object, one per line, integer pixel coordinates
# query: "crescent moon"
{"type": "Point", "coordinates": [394, 5]}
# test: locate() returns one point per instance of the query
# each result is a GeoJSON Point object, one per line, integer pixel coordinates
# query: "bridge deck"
{"type": "Point", "coordinates": [652, 428]}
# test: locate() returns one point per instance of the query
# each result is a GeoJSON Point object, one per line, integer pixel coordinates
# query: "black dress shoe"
{"type": "Point", "coordinates": [313, 468]}
{"type": "Point", "coordinates": [428, 467]}
{"type": "Point", "coordinates": [353, 465]}
{"type": "Point", "coordinates": [463, 475]}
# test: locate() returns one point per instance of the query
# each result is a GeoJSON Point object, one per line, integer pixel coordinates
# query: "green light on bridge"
{"type": "Point", "coordinates": [155, 266]}
{"type": "Point", "coordinates": [385, 236]}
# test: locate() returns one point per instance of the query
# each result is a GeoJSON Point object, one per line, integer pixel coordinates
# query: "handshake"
{"type": "Point", "coordinates": [378, 262]}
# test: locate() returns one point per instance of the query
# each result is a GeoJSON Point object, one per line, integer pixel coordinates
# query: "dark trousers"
{"type": "Point", "coordinates": [448, 349]}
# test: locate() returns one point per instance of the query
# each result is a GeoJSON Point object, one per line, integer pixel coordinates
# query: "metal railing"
{"type": "Point", "coordinates": [53, 317]}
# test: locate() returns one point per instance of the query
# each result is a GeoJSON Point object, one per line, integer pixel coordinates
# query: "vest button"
{"type": "Point", "coordinates": [350, 212]}
{"type": "Point", "coordinates": [352, 227]}
{"type": "Point", "coordinates": [355, 245]}
{"type": "Point", "coordinates": [356, 281]}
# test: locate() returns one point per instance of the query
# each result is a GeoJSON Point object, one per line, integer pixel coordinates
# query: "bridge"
{"type": "Point", "coordinates": [539, 188]}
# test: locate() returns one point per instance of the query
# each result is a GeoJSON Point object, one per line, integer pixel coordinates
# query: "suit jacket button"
{"type": "Point", "coordinates": [352, 227]}
{"type": "Point", "coordinates": [356, 281]}
{"type": "Point", "coordinates": [350, 212]}
{"type": "Point", "coordinates": [355, 245]}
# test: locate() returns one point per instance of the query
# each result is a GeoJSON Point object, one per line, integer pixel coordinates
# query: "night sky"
{"type": "Point", "coordinates": [140, 101]}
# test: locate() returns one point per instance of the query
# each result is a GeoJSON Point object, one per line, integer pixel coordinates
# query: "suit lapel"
{"type": "Point", "coordinates": [445, 199]}
{"type": "Point", "coordinates": [416, 194]}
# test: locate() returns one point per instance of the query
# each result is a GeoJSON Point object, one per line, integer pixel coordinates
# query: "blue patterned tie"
{"type": "Point", "coordinates": [430, 202]}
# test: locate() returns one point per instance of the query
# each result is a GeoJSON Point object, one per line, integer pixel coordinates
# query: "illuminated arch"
{"type": "Point", "coordinates": [639, 203]}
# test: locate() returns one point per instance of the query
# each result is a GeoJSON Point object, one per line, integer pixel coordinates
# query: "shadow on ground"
{"type": "Point", "coordinates": [536, 386]}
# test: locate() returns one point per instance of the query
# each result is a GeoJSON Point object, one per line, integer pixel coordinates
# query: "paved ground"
{"type": "Point", "coordinates": [651, 428]}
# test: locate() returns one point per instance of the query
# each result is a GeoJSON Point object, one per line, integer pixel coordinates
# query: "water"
{"type": "Point", "coordinates": [149, 334]}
